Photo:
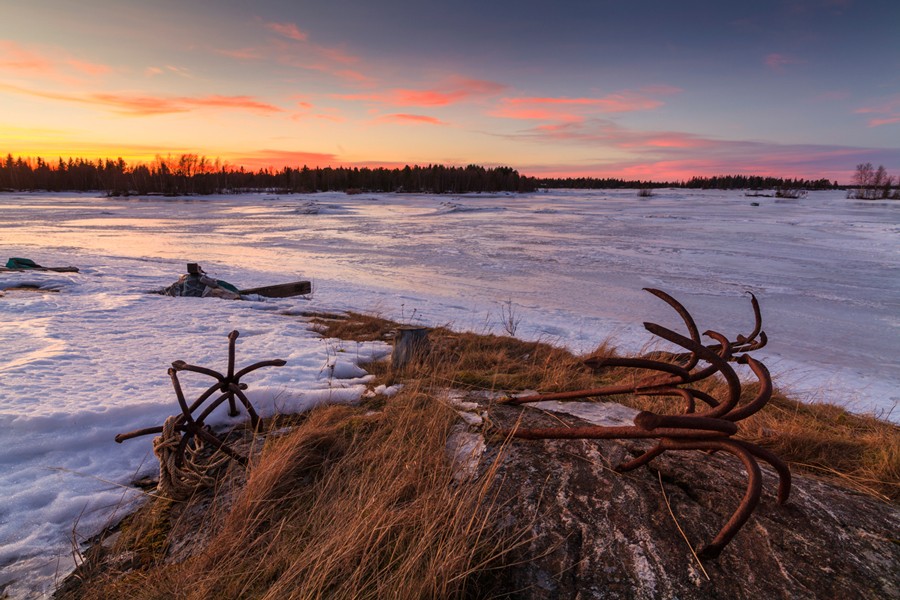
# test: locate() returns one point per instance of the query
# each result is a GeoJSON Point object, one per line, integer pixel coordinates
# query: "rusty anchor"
{"type": "Point", "coordinates": [711, 429]}
{"type": "Point", "coordinates": [193, 427]}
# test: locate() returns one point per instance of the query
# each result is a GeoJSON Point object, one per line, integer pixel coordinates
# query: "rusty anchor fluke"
{"type": "Point", "coordinates": [191, 422]}
{"type": "Point", "coordinates": [710, 429]}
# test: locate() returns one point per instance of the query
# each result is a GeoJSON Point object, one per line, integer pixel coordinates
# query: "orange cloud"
{"type": "Point", "coordinates": [87, 68]}
{"type": "Point", "coordinates": [157, 105]}
{"type": "Point", "coordinates": [57, 67]}
{"type": "Point", "coordinates": [140, 105]}
{"type": "Point", "coordinates": [674, 140]}
{"type": "Point", "coordinates": [288, 30]}
{"type": "Point", "coordinates": [452, 92]}
{"type": "Point", "coordinates": [408, 119]}
{"type": "Point", "coordinates": [15, 57]}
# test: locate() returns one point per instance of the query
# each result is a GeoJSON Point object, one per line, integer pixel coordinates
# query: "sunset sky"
{"type": "Point", "coordinates": [643, 89]}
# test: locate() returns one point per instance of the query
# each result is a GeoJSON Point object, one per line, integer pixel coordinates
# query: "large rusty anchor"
{"type": "Point", "coordinates": [710, 429]}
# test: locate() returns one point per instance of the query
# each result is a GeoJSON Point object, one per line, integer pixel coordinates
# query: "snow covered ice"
{"type": "Point", "coordinates": [79, 365]}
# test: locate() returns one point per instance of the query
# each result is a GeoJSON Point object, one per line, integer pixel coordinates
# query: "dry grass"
{"type": "Point", "coordinates": [347, 505]}
{"type": "Point", "coordinates": [353, 326]}
{"type": "Point", "coordinates": [498, 363]}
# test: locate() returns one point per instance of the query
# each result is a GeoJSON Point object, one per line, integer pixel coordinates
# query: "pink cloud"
{"type": "Point", "coordinates": [574, 110]}
{"type": "Point", "coordinates": [885, 121]}
{"type": "Point", "coordinates": [288, 30]}
{"type": "Point", "coordinates": [330, 60]}
{"type": "Point", "coordinates": [888, 112]}
{"type": "Point", "coordinates": [352, 76]}
{"type": "Point", "coordinates": [231, 102]}
{"type": "Point", "coordinates": [455, 90]}
{"type": "Point", "coordinates": [408, 119]}
{"type": "Point", "coordinates": [338, 55]}
{"type": "Point", "coordinates": [777, 62]}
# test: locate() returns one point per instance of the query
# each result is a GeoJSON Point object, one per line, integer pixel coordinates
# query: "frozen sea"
{"type": "Point", "coordinates": [89, 361]}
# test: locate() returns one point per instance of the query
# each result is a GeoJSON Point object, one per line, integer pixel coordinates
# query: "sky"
{"type": "Point", "coordinates": [639, 89]}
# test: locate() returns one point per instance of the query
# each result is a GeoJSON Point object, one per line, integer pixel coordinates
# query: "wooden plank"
{"type": "Point", "coordinates": [281, 290]}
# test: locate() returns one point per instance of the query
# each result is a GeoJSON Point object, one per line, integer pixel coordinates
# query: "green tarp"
{"type": "Point", "coordinates": [22, 263]}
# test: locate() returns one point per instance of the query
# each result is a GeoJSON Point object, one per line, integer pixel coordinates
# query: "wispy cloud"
{"type": "Point", "coordinates": [293, 47]}
{"type": "Point", "coordinates": [288, 30]}
{"type": "Point", "coordinates": [54, 65]}
{"type": "Point", "coordinates": [180, 71]}
{"type": "Point", "coordinates": [242, 54]}
{"type": "Point", "coordinates": [886, 112]}
{"type": "Point", "coordinates": [777, 62]}
{"type": "Point", "coordinates": [562, 110]}
{"type": "Point", "coordinates": [148, 105]}
{"type": "Point", "coordinates": [408, 119]}
{"type": "Point", "coordinates": [88, 68]}
{"type": "Point", "coordinates": [306, 110]}
{"type": "Point", "coordinates": [453, 91]}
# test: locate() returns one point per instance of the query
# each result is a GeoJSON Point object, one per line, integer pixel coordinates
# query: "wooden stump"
{"type": "Point", "coordinates": [411, 345]}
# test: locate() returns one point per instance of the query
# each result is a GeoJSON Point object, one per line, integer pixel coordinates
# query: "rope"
{"type": "Point", "coordinates": [179, 483]}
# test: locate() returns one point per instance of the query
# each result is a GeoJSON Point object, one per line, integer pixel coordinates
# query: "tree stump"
{"type": "Point", "coordinates": [411, 345]}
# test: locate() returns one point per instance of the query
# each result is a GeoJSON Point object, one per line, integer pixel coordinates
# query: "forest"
{"type": "Point", "coordinates": [189, 174]}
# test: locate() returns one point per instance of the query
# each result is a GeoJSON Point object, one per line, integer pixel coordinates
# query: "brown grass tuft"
{"type": "Point", "coordinates": [347, 505]}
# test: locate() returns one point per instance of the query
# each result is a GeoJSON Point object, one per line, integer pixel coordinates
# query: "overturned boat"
{"type": "Point", "coordinates": [197, 284]}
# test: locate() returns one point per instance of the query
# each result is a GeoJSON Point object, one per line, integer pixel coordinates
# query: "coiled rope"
{"type": "Point", "coordinates": [180, 482]}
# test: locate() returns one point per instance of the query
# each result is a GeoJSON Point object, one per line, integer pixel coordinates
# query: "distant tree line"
{"type": "Point", "coordinates": [756, 182]}
{"type": "Point", "coordinates": [191, 174]}
{"type": "Point", "coordinates": [718, 182]}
